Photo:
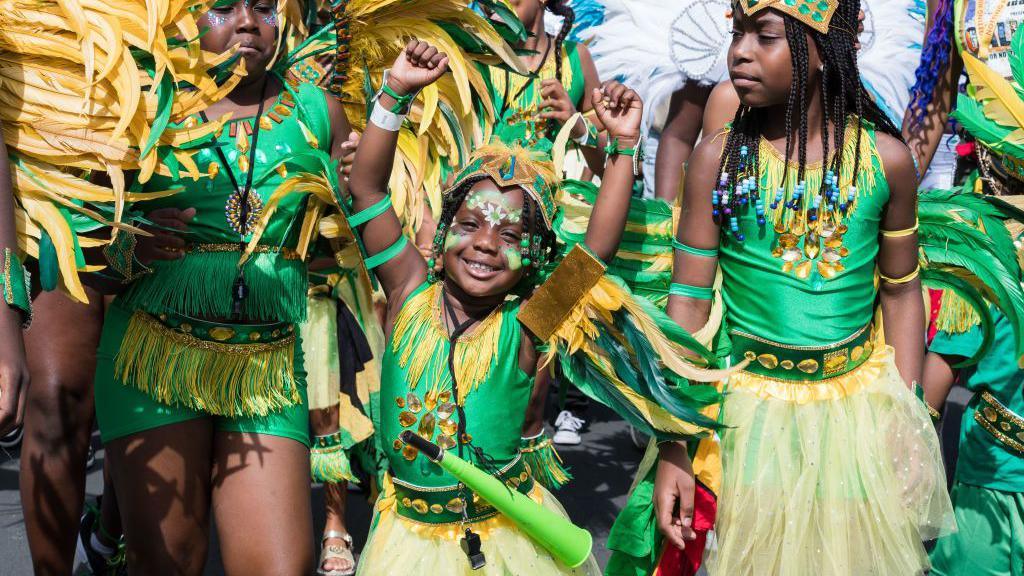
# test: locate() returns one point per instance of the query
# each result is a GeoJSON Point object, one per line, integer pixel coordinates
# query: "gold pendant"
{"type": "Point", "coordinates": [233, 211]}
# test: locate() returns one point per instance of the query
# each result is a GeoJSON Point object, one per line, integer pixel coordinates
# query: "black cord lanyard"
{"type": "Point", "coordinates": [239, 290]}
{"type": "Point", "coordinates": [453, 339]}
{"type": "Point", "coordinates": [533, 76]}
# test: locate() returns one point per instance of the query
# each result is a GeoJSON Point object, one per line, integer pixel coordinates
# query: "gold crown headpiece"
{"type": "Point", "coordinates": [815, 13]}
{"type": "Point", "coordinates": [513, 167]}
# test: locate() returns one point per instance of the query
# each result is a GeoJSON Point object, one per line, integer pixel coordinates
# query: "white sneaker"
{"type": "Point", "coordinates": [568, 429]}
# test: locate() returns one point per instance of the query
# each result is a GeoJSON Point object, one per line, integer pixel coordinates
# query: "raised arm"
{"type": "Point", "coordinates": [678, 138]}
{"type": "Point", "coordinates": [619, 109]}
{"type": "Point", "coordinates": [398, 265]}
{"type": "Point", "coordinates": [13, 367]}
{"type": "Point", "coordinates": [924, 134]}
{"type": "Point", "coordinates": [697, 239]}
{"type": "Point", "coordinates": [900, 288]}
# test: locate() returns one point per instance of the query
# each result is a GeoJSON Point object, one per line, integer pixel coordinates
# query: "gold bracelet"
{"type": "Point", "coordinates": [901, 233]}
{"type": "Point", "coordinates": [904, 279]}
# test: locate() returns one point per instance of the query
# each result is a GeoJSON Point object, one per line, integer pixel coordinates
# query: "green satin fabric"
{"type": "Point", "coordinates": [762, 300]}
{"type": "Point", "coordinates": [494, 411]}
{"type": "Point", "coordinates": [506, 128]}
{"type": "Point", "coordinates": [277, 284]}
{"type": "Point", "coordinates": [209, 195]}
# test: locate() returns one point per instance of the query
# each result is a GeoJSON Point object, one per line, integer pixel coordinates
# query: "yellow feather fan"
{"type": "Point", "coordinates": [92, 85]}
{"type": "Point", "coordinates": [443, 119]}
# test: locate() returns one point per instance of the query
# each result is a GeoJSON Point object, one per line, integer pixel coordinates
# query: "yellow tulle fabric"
{"type": "Point", "coordinates": [398, 546]}
{"type": "Point", "coordinates": [320, 352]}
{"type": "Point", "coordinates": [841, 483]}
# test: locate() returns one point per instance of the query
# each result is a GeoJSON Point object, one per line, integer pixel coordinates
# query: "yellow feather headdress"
{"type": "Point", "coordinates": [92, 85]}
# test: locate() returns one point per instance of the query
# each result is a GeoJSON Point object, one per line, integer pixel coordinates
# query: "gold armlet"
{"type": "Point", "coordinates": [901, 233]}
{"type": "Point", "coordinates": [904, 279]}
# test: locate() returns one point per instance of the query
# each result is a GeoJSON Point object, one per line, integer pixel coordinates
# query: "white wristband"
{"type": "Point", "coordinates": [386, 119]}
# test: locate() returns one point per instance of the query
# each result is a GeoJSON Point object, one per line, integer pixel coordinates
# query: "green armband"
{"type": "Point", "coordinates": [15, 286]}
{"type": "Point", "coordinates": [364, 216]}
{"type": "Point", "coordinates": [677, 245]}
{"type": "Point", "coordinates": [695, 292]}
{"type": "Point", "coordinates": [637, 152]}
{"type": "Point", "coordinates": [402, 103]}
{"type": "Point", "coordinates": [386, 255]}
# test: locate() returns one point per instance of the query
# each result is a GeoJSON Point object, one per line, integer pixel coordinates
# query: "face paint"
{"type": "Point", "coordinates": [514, 259]}
{"type": "Point", "coordinates": [495, 207]}
{"type": "Point", "coordinates": [270, 19]}
{"type": "Point", "coordinates": [216, 19]}
{"type": "Point", "coordinates": [452, 240]}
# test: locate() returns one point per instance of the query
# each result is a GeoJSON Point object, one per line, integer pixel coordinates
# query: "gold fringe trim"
{"type": "Point", "coordinates": [419, 341]}
{"type": "Point", "coordinates": [956, 316]}
{"type": "Point", "coordinates": [773, 165]}
{"type": "Point", "coordinates": [221, 379]}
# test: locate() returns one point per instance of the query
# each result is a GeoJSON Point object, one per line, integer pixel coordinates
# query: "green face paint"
{"type": "Point", "coordinates": [495, 206]}
{"type": "Point", "coordinates": [515, 260]}
{"type": "Point", "coordinates": [452, 240]}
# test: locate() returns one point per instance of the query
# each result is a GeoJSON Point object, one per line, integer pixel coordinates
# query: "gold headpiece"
{"type": "Point", "coordinates": [815, 13]}
{"type": "Point", "coordinates": [514, 167]}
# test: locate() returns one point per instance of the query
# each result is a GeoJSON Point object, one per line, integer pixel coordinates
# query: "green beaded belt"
{"type": "Point", "coordinates": [802, 363]}
{"type": "Point", "coordinates": [1001, 422]}
{"type": "Point", "coordinates": [442, 504]}
{"type": "Point", "coordinates": [226, 333]}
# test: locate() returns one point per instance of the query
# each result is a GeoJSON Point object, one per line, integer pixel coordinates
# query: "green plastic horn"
{"type": "Point", "coordinates": [566, 541]}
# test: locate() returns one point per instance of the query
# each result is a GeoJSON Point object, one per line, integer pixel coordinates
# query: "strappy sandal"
{"type": "Point", "coordinates": [336, 552]}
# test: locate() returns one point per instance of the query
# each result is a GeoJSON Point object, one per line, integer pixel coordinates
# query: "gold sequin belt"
{"type": "Point", "coordinates": [286, 253]}
{"type": "Point", "coordinates": [806, 363]}
{"type": "Point", "coordinates": [1001, 422]}
{"type": "Point", "coordinates": [444, 504]}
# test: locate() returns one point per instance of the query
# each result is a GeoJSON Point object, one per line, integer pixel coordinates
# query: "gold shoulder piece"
{"type": "Point", "coordinates": [577, 274]}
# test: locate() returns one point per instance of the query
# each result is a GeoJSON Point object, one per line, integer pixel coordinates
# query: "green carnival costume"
{"type": "Point", "coordinates": [988, 496]}
{"type": "Point", "coordinates": [162, 359]}
{"type": "Point", "coordinates": [516, 98]}
{"type": "Point", "coordinates": [578, 317]}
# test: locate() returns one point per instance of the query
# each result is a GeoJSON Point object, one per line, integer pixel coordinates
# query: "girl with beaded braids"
{"type": "Point", "coordinates": [807, 204]}
{"type": "Point", "coordinates": [466, 330]}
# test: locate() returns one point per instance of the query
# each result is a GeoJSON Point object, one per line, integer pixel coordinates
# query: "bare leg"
{"type": "Point", "coordinates": [162, 481]}
{"type": "Point", "coordinates": [325, 422]}
{"type": "Point", "coordinates": [110, 513]}
{"type": "Point", "coordinates": [58, 423]}
{"type": "Point", "coordinates": [261, 503]}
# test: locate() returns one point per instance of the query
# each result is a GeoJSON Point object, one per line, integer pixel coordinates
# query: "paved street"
{"type": "Point", "coordinates": [603, 467]}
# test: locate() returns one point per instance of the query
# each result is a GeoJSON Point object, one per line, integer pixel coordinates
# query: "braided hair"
{"type": "Point", "coordinates": [563, 9]}
{"type": "Point", "coordinates": [934, 56]}
{"type": "Point", "coordinates": [843, 96]}
{"type": "Point", "coordinates": [540, 238]}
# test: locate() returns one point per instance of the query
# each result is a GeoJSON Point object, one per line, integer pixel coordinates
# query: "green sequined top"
{"type": "Point", "coordinates": [200, 283]}
{"type": "Point", "coordinates": [799, 288]}
{"type": "Point", "coordinates": [495, 407]}
{"type": "Point", "coordinates": [514, 123]}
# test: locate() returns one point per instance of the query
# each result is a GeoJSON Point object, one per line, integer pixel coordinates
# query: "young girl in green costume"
{"type": "Point", "coordinates": [200, 390]}
{"type": "Point", "coordinates": [830, 464]}
{"type": "Point", "coordinates": [475, 290]}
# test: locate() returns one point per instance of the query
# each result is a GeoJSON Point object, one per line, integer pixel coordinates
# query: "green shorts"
{"type": "Point", "coordinates": [122, 410]}
{"type": "Point", "coordinates": [990, 535]}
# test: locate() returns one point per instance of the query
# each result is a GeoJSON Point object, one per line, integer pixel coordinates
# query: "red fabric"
{"type": "Point", "coordinates": [964, 149]}
{"type": "Point", "coordinates": [676, 562]}
{"type": "Point", "coordinates": [936, 300]}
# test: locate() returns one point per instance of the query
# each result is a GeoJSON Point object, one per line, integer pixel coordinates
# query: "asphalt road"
{"type": "Point", "coordinates": [603, 467]}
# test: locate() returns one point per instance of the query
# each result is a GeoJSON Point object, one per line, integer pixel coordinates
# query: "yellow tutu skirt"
{"type": "Point", "coordinates": [836, 478]}
{"type": "Point", "coordinates": [400, 547]}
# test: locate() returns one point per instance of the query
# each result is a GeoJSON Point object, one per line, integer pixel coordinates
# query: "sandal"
{"type": "Point", "coordinates": [336, 552]}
